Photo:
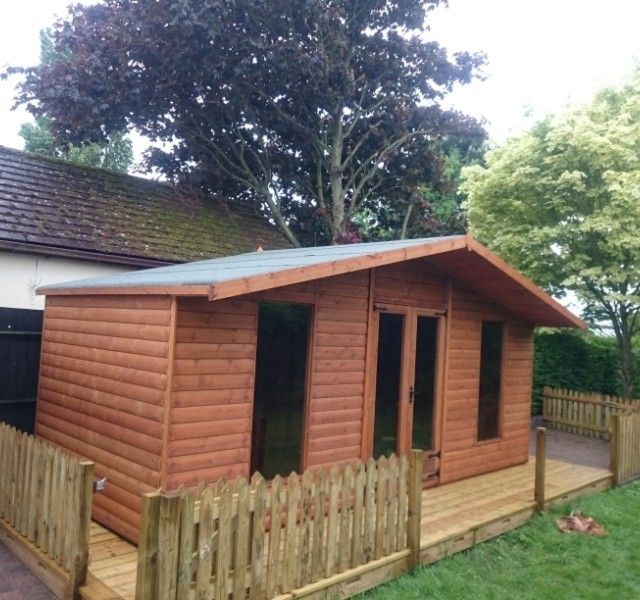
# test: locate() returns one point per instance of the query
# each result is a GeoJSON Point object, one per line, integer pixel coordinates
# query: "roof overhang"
{"type": "Point", "coordinates": [461, 257]}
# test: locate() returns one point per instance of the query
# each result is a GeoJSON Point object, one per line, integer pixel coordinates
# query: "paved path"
{"type": "Point", "coordinates": [573, 448]}
{"type": "Point", "coordinates": [17, 582]}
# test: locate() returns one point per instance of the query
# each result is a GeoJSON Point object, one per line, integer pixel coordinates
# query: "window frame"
{"type": "Point", "coordinates": [310, 301]}
{"type": "Point", "coordinates": [501, 395]}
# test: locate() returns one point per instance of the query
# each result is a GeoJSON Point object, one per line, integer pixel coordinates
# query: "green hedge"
{"type": "Point", "coordinates": [574, 360]}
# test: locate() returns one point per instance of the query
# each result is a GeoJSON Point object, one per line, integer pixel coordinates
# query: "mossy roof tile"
{"type": "Point", "coordinates": [49, 203]}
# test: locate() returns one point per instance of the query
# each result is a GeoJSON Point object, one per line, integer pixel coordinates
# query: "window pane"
{"type": "Point", "coordinates": [385, 439]}
{"type": "Point", "coordinates": [490, 377]}
{"type": "Point", "coordinates": [425, 382]}
{"type": "Point", "coordinates": [280, 386]}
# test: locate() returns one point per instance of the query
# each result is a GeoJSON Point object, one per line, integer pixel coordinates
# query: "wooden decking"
{"type": "Point", "coordinates": [454, 517]}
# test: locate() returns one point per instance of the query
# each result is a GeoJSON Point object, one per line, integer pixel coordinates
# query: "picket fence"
{"type": "Point", "coordinates": [45, 503]}
{"type": "Point", "coordinates": [588, 414]}
{"type": "Point", "coordinates": [256, 540]}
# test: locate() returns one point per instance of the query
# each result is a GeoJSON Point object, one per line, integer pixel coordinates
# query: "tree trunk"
{"type": "Point", "coordinates": [338, 225]}
{"type": "Point", "coordinates": [625, 350]}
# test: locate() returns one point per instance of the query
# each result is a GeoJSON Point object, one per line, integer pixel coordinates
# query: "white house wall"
{"type": "Point", "coordinates": [21, 274]}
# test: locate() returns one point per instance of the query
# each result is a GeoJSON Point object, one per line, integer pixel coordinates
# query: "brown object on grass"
{"type": "Point", "coordinates": [577, 523]}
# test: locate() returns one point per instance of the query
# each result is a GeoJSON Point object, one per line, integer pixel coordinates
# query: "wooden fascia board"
{"type": "Point", "coordinates": [525, 282]}
{"type": "Point", "coordinates": [139, 290]}
{"type": "Point", "coordinates": [248, 285]}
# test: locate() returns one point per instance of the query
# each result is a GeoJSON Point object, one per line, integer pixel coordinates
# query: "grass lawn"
{"type": "Point", "coordinates": [539, 562]}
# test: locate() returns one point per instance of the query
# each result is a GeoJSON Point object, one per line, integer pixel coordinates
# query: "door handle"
{"type": "Point", "coordinates": [412, 395]}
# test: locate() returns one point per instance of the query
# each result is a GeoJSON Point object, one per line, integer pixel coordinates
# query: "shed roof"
{"type": "Point", "coordinates": [466, 260]}
{"type": "Point", "coordinates": [53, 207]}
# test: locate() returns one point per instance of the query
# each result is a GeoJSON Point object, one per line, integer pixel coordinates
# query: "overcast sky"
{"type": "Point", "coordinates": [542, 54]}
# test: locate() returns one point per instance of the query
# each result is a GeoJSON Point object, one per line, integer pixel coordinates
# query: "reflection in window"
{"type": "Point", "coordinates": [280, 388]}
{"type": "Point", "coordinates": [490, 379]}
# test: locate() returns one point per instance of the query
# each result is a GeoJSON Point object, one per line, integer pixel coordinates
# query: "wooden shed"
{"type": "Point", "coordinates": [289, 359]}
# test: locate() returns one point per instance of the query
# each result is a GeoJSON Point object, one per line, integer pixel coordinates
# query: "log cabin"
{"type": "Point", "coordinates": [284, 360]}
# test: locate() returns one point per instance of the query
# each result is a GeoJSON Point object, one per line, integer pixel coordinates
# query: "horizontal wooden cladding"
{"type": "Point", "coordinates": [212, 396]}
{"type": "Point", "coordinates": [54, 359]}
{"type": "Point", "coordinates": [414, 283]}
{"type": "Point", "coordinates": [106, 412]}
{"type": "Point", "coordinates": [103, 384]}
{"type": "Point", "coordinates": [106, 342]}
{"type": "Point", "coordinates": [135, 408]}
{"type": "Point", "coordinates": [112, 301]}
{"type": "Point", "coordinates": [128, 360]}
{"type": "Point", "coordinates": [101, 393]}
{"type": "Point", "coordinates": [462, 455]}
{"type": "Point", "coordinates": [51, 429]}
{"type": "Point", "coordinates": [115, 431]}
{"type": "Point", "coordinates": [136, 455]}
{"type": "Point", "coordinates": [337, 378]}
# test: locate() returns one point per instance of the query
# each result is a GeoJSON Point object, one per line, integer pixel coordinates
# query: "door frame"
{"type": "Point", "coordinates": [407, 371]}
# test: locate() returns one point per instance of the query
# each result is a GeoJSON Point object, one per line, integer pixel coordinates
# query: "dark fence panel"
{"type": "Point", "coordinates": [20, 339]}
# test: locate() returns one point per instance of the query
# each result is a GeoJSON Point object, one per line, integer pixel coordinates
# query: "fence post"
{"type": "Point", "coordinates": [414, 514]}
{"type": "Point", "coordinates": [80, 558]}
{"type": "Point", "coordinates": [541, 458]}
{"type": "Point", "coordinates": [615, 449]}
{"type": "Point", "coordinates": [147, 573]}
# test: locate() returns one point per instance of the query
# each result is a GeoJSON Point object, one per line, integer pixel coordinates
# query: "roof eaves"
{"type": "Point", "coordinates": [525, 282]}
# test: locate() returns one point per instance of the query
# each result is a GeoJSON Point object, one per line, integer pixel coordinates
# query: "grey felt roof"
{"type": "Point", "coordinates": [53, 207]}
{"type": "Point", "coordinates": [244, 265]}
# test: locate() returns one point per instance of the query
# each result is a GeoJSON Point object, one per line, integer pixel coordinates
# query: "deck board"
{"type": "Point", "coordinates": [454, 517]}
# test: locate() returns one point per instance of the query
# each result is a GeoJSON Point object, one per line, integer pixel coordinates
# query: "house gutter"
{"type": "Point", "coordinates": [87, 255]}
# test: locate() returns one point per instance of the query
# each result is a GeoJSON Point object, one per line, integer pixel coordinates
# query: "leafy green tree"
{"type": "Point", "coordinates": [114, 153]}
{"type": "Point", "coordinates": [314, 110]}
{"type": "Point", "coordinates": [562, 203]}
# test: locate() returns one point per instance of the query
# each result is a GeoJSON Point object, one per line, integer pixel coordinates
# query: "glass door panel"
{"type": "Point", "coordinates": [424, 388]}
{"type": "Point", "coordinates": [388, 383]}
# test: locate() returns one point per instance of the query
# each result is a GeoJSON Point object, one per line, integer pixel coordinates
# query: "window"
{"type": "Point", "coordinates": [280, 388]}
{"type": "Point", "coordinates": [490, 378]}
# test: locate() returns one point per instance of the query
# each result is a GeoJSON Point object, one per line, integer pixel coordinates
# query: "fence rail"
{"type": "Point", "coordinates": [588, 414]}
{"type": "Point", "coordinates": [45, 498]}
{"type": "Point", "coordinates": [257, 540]}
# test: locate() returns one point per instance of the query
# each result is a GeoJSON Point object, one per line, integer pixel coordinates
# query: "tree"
{"type": "Point", "coordinates": [562, 203]}
{"type": "Point", "coordinates": [114, 154]}
{"type": "Point", "coordinates": [432, 208]}
{"type": "Point", "coordinates": [316, 110]}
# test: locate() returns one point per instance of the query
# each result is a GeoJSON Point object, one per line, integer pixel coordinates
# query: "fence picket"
{"type": "Point", "coordinates": [241, 553]}
{"type": "Point", "coordinates": [358, 511]}
{"type": "Point", "coordinates": [275, 527]}
{"type": "Point", "coordinates": [291, 534]}
{"type": "Point", "coordinates": [205, 545]}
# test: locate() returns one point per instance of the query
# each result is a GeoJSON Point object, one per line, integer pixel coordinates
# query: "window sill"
{"type": "Point", "coordinates": [495, 440]}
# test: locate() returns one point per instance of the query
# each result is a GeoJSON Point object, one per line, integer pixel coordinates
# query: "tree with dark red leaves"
{"type": "Point", "coordinates": [316, 110]}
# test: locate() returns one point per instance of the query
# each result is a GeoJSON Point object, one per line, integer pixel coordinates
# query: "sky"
{"type": "Point", "coordinates": [542, 54]}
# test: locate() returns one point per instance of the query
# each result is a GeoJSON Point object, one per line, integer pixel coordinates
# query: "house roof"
{"type": "Point", "coordinates": [57, 208]}
{"type": "Point", "coordinates": [466, 260]}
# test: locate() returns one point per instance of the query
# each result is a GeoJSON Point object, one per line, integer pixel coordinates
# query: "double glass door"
{"type": "Point", "coordinates": [406, 399]}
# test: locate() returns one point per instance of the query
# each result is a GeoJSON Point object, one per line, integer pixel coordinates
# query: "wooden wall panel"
{"type": "Point", "coordinates": [462, 455]}
{"type": "Point", "coordinates": [101, 393]}
{"type": "Point", "coordinates": [336, 395]}
{"type": "Point", "coordinates": [211, 402]}
{"type": "Point", "coordinates": [414, 283]}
